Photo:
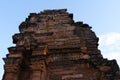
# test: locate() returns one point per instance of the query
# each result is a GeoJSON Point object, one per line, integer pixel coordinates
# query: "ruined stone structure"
{"type": "Point", "coordinates": [51, 46]}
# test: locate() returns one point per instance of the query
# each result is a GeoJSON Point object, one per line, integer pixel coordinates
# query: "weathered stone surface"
{"type": "Point", "coordinates": [51, 46]}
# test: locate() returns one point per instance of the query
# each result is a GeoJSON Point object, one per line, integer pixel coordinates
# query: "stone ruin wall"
{"type": "Point", "coordinates": [51, 46]}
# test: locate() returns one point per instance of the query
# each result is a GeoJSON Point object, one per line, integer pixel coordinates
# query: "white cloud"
{"type": "Point", "coordinates": [109, 45]}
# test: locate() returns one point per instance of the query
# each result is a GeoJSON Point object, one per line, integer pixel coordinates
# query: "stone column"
{"type": "Point", "coordinates": [11, 69]}
{"type": "Point", "coordinates": [38, 70]}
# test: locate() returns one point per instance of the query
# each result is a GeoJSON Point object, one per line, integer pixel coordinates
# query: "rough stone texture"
{"type": "Point", "coordinates": [51, 46]}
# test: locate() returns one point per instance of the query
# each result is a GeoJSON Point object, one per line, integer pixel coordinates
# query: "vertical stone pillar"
{"type": "Point", "coordinates": [38, 70]}
{"type": "Point", "coordinates": [11, 69]}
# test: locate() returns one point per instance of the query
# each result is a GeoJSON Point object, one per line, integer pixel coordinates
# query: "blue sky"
{"type": "Point", "coordinates": [102, 15]}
